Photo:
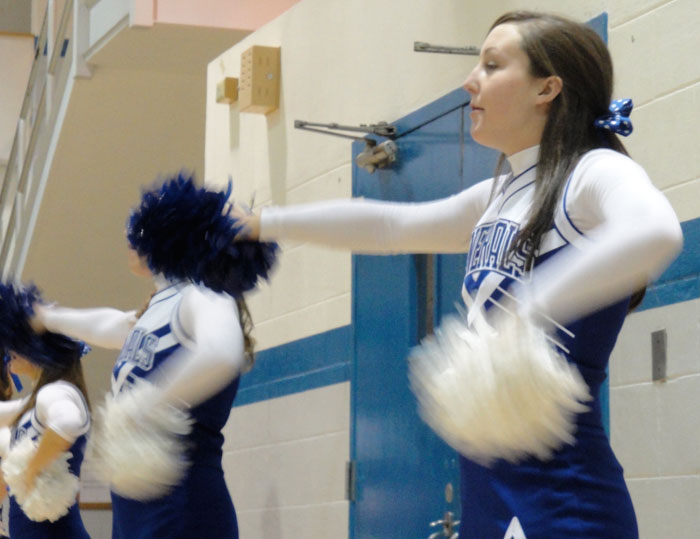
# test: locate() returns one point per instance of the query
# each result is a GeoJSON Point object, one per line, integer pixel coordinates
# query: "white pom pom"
{"type": "Point", "coordinates": [502, 393]}
{"type": "Point", "coordinates": [55, 488]}
{"type": "Point", "coordinates": [140, 447]}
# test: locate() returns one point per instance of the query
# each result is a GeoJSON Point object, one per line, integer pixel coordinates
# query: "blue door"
{"type": "Point", "coordinates": [405, 476]}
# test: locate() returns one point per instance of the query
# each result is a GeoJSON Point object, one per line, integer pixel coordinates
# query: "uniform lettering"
{"type": "Point", "coordinates": [139, 349]}
{"type": "Point", "coordinates": [489, 249]}
{"type": "Point", "coordinates": [515, 530]}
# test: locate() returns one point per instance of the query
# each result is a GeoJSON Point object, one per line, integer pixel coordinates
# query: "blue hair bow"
{"type": "Point", "coordinates": [617, 119]}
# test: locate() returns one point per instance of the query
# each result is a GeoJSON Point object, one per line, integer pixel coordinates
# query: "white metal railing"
{"type": "Point", "coordinates": [22, 185]}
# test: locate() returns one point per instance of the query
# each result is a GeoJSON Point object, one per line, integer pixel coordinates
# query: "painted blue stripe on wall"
{"type": "Point", "coordinates": [309, 363]}
{"type": "Point", "coordinates": [681, 281]}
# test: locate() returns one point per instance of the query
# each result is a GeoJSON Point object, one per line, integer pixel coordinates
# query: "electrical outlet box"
{"type": "Point", "coordinates": [259, 86]}
{"type": "Point", "coordinates": [227, 91]}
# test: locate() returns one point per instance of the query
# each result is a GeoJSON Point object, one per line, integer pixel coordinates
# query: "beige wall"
{"type": "Point", "coordinates": [284, 462]}
{"type": "Point", "coordinates": [16, 56]}
{"type": "Point", "coordinates": [15, 17]}
{"type": "Point", "coordinates": [352, 63]}
{"type": "Point", "coordinates": [655, 426]}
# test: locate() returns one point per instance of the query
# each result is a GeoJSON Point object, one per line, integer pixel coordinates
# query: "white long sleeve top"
{"type": "Point", "coordinates": [628, 231]}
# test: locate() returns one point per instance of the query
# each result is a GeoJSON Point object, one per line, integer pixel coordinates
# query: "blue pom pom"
{"type": "Point", "coordinates": [16, 309]}
{"type": "Point", "coordinates": [47, 350]}
{"type": "Point", "coordinates": [186, 232]}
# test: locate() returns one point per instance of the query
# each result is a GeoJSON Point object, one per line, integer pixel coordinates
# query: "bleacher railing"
{"type": "Point", "coordinates": [29, 161]}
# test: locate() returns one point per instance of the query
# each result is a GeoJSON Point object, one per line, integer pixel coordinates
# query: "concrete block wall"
{"type": "Point", "coordinates": [318, 277]}
{"type": "Point", "coordinates": [286, 475]}
{"type": "Point", "coordinates": [655, 425]}
{"type": "Point", "coordinates": [352, 63]}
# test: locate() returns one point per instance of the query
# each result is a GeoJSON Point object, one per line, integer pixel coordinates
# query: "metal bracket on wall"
{"type": "Point", "coordinates": [658, 355]}
{"type": "Point", "coordinates": [374, 155]}
{"type": "Point", "coordinates": [350, 481]}
{"type": "Point", "coordinates": [421, 46]}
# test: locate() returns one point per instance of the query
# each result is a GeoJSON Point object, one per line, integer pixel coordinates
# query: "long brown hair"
{"type": "Point", "coordinates": [247, 328]}
{"type": "Point", "coordinates": [67, 368]}
{"type": "Point", "coordinates": [575, 53]}
{"type": "Point", "coordinates": [5, 381]}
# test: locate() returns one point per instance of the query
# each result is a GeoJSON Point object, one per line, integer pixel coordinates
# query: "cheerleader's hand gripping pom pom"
{"type": "Point", "coordinates": [189, 232]}
{"type": "Point", "coordinates": [500, 392]}
{"type": "Point", "coordinates": [55, 488]}
{"type": "Point", "coordinates": [18, 333]}
{"type": "Point", "coordinates": [16, 313]}
{"type": "Point", "coordinates": [140, 447]}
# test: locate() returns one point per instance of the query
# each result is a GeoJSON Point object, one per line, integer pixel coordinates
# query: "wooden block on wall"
{"type": "Point", "coordinates": [259, 87]}
{"type": "Point", "coordinates": [227, 91]}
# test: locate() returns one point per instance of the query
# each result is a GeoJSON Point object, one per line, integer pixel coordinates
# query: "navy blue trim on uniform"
{"type": "Point", "coordinates": [309, 363]}
{"type": "Point", "coordinates": [161, 331]}
{"type": "Point", "coordinates": [36, 422]}
{"type": "Point", "coordinates": [566, 213]}
{"type": "Point", "coordinates": [514, 192]}
{"type": "Point", "coordinates": [559, 232]}
{"type": "Point", "coordinates": [165, 352]}
{"type": "Point", "coordinates": [512, 181]}
{"type": "Point", "coordinates": [514, 178]}
{"type": "Point", "coordinates": [156, 297]}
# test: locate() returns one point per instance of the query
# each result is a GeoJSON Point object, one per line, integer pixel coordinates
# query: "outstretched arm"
{"type": "Point", "coordinates": [372, 226]}
{"type": "Point", "coordinates": [103, 326]}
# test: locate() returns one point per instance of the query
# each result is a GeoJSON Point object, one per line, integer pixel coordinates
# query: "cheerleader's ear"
{"type": "Point", "coordinates": [549, 88]}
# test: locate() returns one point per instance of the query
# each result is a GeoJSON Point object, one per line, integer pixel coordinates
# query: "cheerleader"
{"type": "Point", "coordinates": [49, 427]}
{"type": "Point", "coordinates": [559, 242]}
{"type": "Point", "coordinates": [159, 440]}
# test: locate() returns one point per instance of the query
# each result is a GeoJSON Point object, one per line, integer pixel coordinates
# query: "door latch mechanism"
{"type": "Point", "coordinates": [375, 155]}
{"type": "Point", "coordinates": [448, 527]}
{"type": "Point", "coordinates": [422, 46]}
